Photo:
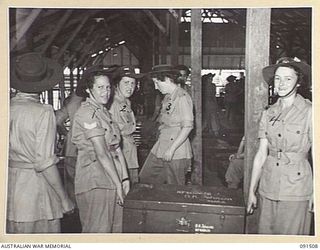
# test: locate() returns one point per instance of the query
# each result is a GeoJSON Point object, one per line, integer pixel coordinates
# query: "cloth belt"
{"type": "Point", "coordinates": [288, 156]}
{"type": "Point", "coordinates": [21, 164]}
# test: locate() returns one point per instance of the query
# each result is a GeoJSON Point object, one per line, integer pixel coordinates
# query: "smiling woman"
{"type": "Point", "coordinates": [281, 164]}
{"type": "Point", "coordinates": [101, 180]}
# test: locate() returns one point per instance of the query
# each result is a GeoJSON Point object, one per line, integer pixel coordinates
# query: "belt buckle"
{"type": "Point", "coordinates": [279, 155]}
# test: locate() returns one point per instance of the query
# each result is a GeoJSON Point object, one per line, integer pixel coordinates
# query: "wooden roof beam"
{"type": "Point", "coordinates": [80, 47]}
{"type": "Point", "coordinates": [73, 35]}
{"type": "Point", "coordinates": [21, 30]}
{"type": "Point", "coordinates": [61, 22]}
{"type": "Point", "coordinates": [156, 21]}
{"type": "Point", "coordinates": [138, 21]}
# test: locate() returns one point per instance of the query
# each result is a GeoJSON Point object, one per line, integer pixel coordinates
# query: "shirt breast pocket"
{"type": "Point", "coordinates": [296, 132]}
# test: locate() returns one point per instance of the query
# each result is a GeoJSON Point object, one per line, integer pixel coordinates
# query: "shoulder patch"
{"type": "Point", "coordinates": [90, 125]}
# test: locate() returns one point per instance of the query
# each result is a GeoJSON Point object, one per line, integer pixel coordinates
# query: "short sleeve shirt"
{"type": "Point", "coordinates": [176, 113]}
{"type": "Point", "coordinates": [31, 151]}
{"type": "Point", "coordinates": [286, 173]}
{"type": "Point", "coordinates": [123, 115]}
{"type": "Point", "coordinates": [89, 121]}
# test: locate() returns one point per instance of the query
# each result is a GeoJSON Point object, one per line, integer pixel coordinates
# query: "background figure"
{"type": "Point", "coordinates": [241, 86]}
{"type": "Point", "coordinates": [122, 114]}
{"type": "Point", "coordinates": [235, 171]}
{"type": "Point", "coordinates": [69, 108]}
{"type": "Point", "coordinates": [101, 180]}
{"type": "Point", "coordinates": [184, 73]}
{"type": "Point", "coordinates": [231, 99]}
{"type": "Point", "coordinates": [281, 166]}
{"type": "Point", "coordinates": [211, 123]}
{"type": "Point", "coordinates": [170, 157]}
{"type": "Point", "coordinates": [36, 197]}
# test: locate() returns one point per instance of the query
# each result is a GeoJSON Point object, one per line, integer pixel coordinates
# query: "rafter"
{"type": "Point", "coordinates": [23, 28]}
{"type": "Point", "coordinates": [156, 21]}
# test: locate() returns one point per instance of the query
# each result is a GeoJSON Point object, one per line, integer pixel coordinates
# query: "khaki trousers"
{"type": "Point", "coordinates": [283, 217]}
{"type": "Point", "coordinates": [99, 211]}
{"type": "Point", "coordinates": [155, 170]}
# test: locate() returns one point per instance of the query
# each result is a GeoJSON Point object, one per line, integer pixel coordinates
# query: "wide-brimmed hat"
{"type": "Point", "coordinates": [128, 71]}
{"type": "Point", "coordinates": [102, 69]}
{"type": "Point", "coordinates": [34, 73]}
{"type": "Point", "coordinates": [93, 70]}
{"type": "Point", "coordinates": [231, 78]}
{"type": "Point", "coordinates": [304, 68]}
{"type": "Point", "coordinates": [163, 68]}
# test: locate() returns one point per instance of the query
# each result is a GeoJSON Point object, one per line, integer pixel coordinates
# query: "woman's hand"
{"type": "Point", "coordinates": [67, 205]}
{"type": "Point", "coordinates": [120, 195]}
{"type": "Point", "coordinates": [252, 203]}
{"type": "Point", "coordinates": [310, 206]}
{"type": "Point", "coordinates": [167, 156]}
{"type": "Point", "coordinates": [231, 157]}
{"type": "Point", "coordinates": [126, 186]}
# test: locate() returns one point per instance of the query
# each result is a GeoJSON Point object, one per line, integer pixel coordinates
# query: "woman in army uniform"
{"type": "Point", "coordinates": [281, 162]}
{"type": "Point", "coordinates": [125, 82]}
{"type": "Point", "coordinates": [170, 157]}
{"type": "Point", "coordinates": [101, 180]}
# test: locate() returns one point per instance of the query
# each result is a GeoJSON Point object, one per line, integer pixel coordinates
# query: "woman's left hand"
{"type": "Point", "coordinates": [311, 207]}
{"type": "Point", "coordinates": [126, 187]}
{"type": "Point", "coordinates": [168, 155]}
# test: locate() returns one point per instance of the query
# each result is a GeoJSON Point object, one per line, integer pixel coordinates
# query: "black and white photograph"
{"type": "Point", "coordinates": [147, 121]}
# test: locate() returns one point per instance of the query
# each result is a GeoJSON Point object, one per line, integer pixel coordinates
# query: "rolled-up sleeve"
{"type": "Point", "coordinates": [45, 141]}
{"type": "Point", "coordinates": [310, 128]}
{"type": "Point", "coordinates": [89, 133]}
{"type": "Point", "coordinates": [186, 108]}
{"type": "Point", "coordinates": [262, 132]}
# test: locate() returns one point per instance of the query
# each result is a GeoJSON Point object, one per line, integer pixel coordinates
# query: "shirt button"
{"type": "Point", "coordinates": [279, 135]}
{"type": "Point", "coordinates": [280, 150]}
{"type": "Point", "coordinates": [298, 132]}
{"type": "Point", "coordinates": [277, 164]}
{"type": "Point", "coordinates": [115, 135]}
{"type": "Point", "coordinates": [171, 139]}
{"type": "Point", "coordinates": [128, 121]}
{"type": "Point", "coordinates": [167, 112]}
{"type": "Point", "coordinates": [110, 122]}
{"type": "Point", "coordinates": [299, 173]}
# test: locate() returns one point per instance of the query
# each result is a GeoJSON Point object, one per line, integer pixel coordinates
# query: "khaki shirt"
{"type": "Point", "coordinates": [31, 150]}
{"type": "Point", "coordinates": [89, 121]}
{"type": "Point", "coordinates": [62, 115]}
{"type": "Point", "coordinates": [286, 173]}
{"type": "Point", "coordinates": [123, 115]}
{"type": "Point", "coordinates": [176, 113]}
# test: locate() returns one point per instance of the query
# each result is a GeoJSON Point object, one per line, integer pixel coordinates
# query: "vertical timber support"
{"type": "Point", "coordinates": [196, 65]}
{"type": "Point", "coordinates": [163, 42]}
{"type": "Point", "coordinates": [256, 92]}
{"type": "Point", "coordinates": [174, 40]}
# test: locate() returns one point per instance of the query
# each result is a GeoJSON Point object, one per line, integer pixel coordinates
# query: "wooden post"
{"type": "Point", "coordinates": [174, 39]}
{"type": "Point", "coordinates": [196, 65]}
{"type": "Point", "coordinates": [71, 79]}
{"type": "Point", "coordinates": [256, 90]}
{"type": "Point", "coordinates": [155, 47]}
{"type": "Point", "coordinates": [162, 43]}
